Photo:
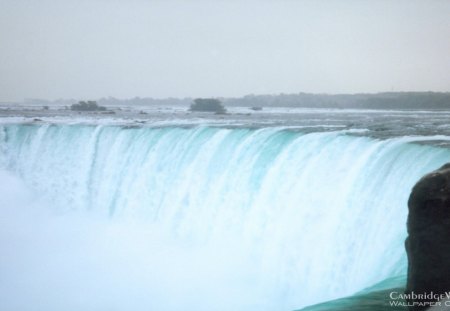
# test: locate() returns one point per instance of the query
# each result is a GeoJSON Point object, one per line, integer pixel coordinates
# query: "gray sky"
{"type": "Point", "coordinates": [88, 49]}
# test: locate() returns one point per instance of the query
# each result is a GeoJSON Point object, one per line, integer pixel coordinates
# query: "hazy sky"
{"type": "Point", "coordinates": [88, 49]}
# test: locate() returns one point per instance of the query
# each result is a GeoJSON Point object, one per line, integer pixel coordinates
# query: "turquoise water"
{"type": "Point", "coordinates": [379, 297]}
{"type": "Point", "coordinates": [267, 219]}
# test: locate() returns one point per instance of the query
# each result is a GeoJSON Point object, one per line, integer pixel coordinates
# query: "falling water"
{"type": "Point", "coordinates": [200, 218]}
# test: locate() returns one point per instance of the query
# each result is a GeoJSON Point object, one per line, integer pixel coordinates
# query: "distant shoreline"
{"type": "Point", "coordinates": [385, 100]}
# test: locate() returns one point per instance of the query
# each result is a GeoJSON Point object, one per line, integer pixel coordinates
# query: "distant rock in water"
{"type": "Point", "coordinates": [208, 105]}
{"type": "Point", "coordinates": [87, 106]}
{"type": "Point", "coordinates": [255, 108]}
{"type": "Point", "coordinates": [428, 243]}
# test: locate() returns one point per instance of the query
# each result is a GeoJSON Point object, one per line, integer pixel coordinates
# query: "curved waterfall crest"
{"type": "Point", "coordinates": [320, 215]}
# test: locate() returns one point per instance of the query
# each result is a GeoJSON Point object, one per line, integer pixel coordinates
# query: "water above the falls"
{"type": "Point", "coordinates": [201, 218]}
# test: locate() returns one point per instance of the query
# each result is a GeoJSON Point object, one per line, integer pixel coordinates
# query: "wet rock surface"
{"type": "Point", "coordinates": [428, 243]}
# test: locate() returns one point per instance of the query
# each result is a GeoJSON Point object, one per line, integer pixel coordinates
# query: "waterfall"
{"type": "Point", "coordinates": [214, 218]}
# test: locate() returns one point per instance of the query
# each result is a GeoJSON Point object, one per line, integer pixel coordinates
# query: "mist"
{"type": "Point", "coordinates": [75, 262]}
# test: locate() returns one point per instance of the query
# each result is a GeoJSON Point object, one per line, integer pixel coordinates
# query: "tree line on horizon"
{"type": "Point", "coordinates": [390, 100]}
{"type": "Point", "coordinates": [403, 100]}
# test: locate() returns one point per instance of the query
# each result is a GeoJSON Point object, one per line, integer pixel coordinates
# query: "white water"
{"type": "Point", "coordinates": [106, 218]}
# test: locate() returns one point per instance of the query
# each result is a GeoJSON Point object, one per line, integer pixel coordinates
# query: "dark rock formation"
{"type": "Point", "coordinates": [428, 243]}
